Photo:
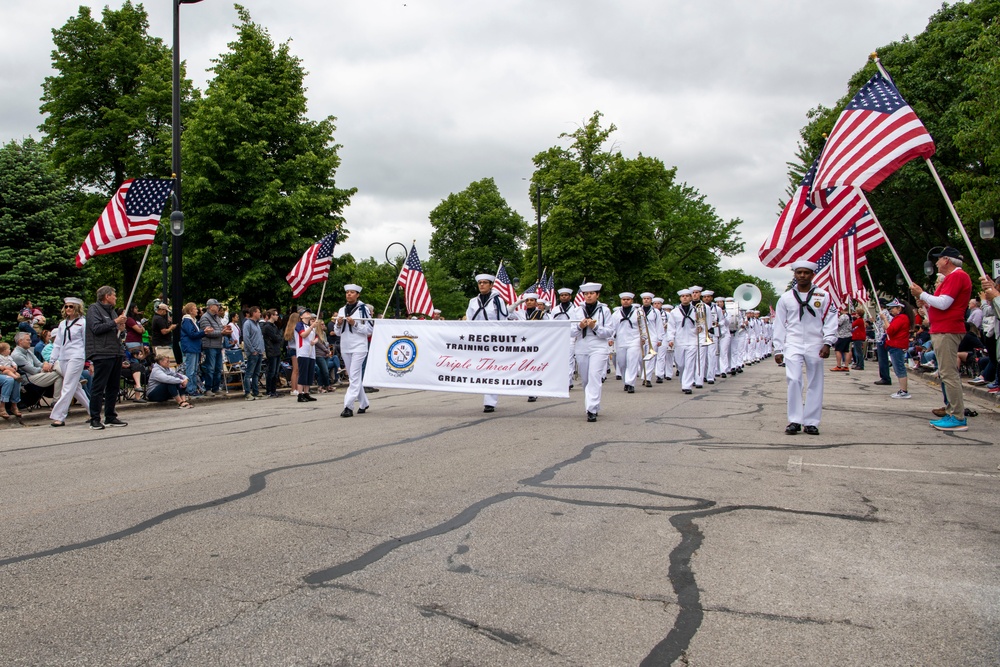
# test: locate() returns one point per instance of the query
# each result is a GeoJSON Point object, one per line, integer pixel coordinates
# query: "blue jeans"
{"type": "Point", "coordinates": [10, 390]}
{"type": "Point", "coordinates": [883, 363]}
{"type": "Point", "coordinates": [323, 371]}
{"type": "Point", "coordinates": [251, 374]}
{"type": "Point", "coordinates": [898, 358]}
{"type": "Point", "coordinates": [191, 362]}
{"type": "Point", "coordinates": [163, 392]}
{"type": "Point", "coordinates": [858, 348]}
{"type": "Point", "coordinates": [273, 371]}
{"type": "Point", "coordinates": [211, 368]}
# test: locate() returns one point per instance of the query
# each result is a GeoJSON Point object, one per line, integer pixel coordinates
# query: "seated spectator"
{"type": "Point", "coordinates": [165, 383]}
{"type": "Point", "coordinates": [44, 339]}
{"type": "Point", "coordinates": [37, 375]}
{"type": "Point", "coordinates": [10, 384]}
{"type": "Point", "coordinates": [28, 329]}
{"type": "Point", "coordinates": [134, 328]}
{"type": "Point", "coordinates": [137, 364]}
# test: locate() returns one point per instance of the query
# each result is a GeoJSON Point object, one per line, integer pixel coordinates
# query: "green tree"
{"type": "Point", "coordinates": [624, 222]}
{"type": "Point", "coordinates": [259, 178]}
{"type": "Point", "coordinates": [107, 116]}
{"type": "Point", "coordinates": [37, 244]}
{"type": "Point", "coordinates": [948, 75]}
{"type": "Point", "coordinates": [473, 230]}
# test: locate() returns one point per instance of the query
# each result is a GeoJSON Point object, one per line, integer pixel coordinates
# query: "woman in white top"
{"type": "Point", "coordinates": [69, 354]}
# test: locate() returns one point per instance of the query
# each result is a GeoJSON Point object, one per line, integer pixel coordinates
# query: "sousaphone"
{"type": "Point", "coordinates": [747, 296]}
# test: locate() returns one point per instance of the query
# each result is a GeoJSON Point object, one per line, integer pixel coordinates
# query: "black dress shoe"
{"type": "Point", "coordinates": [362, 411]}
{"type": "Point", "coordinates": [592, 416]}
{"type": "Point", "coordinates": [659, 380]}
{"type": "Point", "coordinates": [699, 386]}
{"type": "Point", "coordinates": [571, 386]}
{"type": "Point", "coordinates": [618, 377]}
{"type": "Point", "coordinates": [793, 429]}
{"type": "Point", "coordinates": [488, 408]}
{"type": "Point", "coordinates": [532, 399]}
{"type": "Point", "coordinates": [310, 397]}
{"type": "Point", "coordinates": [630, 389]}
{"type": "Point", "coordinates": [722, 375]}
{"type": "Point", "coordinates": [347, 413]}
{"type": "Point", "coordinates": [648, 383]}
{"type": "Point", "coordinates": [811, 430]}
{"type": "Point", "coordinates": [668, 378]}
{"type": "Point", "coordinates": [302, 398]}
{"type": "Point", "coordinates": [687, 391]}
{"type": "Point", "coordinates": [710, 381]}
{"type": "Point", "coordinates": [370, 390]}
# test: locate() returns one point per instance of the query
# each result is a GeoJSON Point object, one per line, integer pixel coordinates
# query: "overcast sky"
{"type": "Point", "coordinates": [431, 95]}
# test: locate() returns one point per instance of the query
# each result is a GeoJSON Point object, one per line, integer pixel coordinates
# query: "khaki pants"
{"type": "Point", "coordinates": [946, 351]}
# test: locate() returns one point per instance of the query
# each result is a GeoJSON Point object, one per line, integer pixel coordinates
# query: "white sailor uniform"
{"type": "Point", "coordinates": [564, 311]}
{"type": "Point", "coordinates": [69, 354]}
{"type": "Point", "coordinates": [628, 352]}
{"type": "Point", "coordinates": [804, 322]}
{"type": "Point", "coordinates": [682, 337]}
{"type": "Point", "coordinates": [488, 307]}
{"type": "Point", "coordinates": [592, 351]}
{"type": "Point", "coordinates": [354, 349]}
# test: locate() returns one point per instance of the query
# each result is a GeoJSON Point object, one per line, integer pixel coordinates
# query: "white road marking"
{"type": "Point", "coordinates": [795, 464]}
{"type": "Point", "coordinates": [922, 472]}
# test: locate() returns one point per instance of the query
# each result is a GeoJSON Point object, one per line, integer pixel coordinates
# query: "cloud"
{"type": "Point", "coordinates": [431, 95]}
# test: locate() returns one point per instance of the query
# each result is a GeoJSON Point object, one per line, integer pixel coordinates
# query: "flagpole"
{"type": "Point", "coordinates": [954, 214]}
{"type": "Point", "coordinates": [319, 308]}
{"type": "Point", "coordinates": [888, 241]}
{"type": "Point", "coordinates": [135, 285]}
{"type": "Point", "coordinates": [396, 284]}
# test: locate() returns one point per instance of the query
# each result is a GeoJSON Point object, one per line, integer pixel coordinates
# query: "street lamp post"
{"type": "Point", "coordinates": [538, 218]}
{"type": "Point", "coordinates": [177, 217]}
{"type": "Point", "coordinates": [397, 311]}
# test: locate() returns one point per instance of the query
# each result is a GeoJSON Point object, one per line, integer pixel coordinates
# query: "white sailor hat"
{"type": "Point", "coordinates": [351, 287]}
{"type": "Point", "coordinates": [486, 276]}
{"type": "Point", "coordinates": [720, 298]}
{"type": "Point", "coordinates": [565, 290]}
{"type": "Point", "coordinates": [626, 295]}
{"type": "Point", "coordinates": [668, 306]}
{"type": "Point", "coordinates": [73, 300]}
{"type": "Point", "coordinates": [436, 310]}
{"type": "Point", "coordinates": [544, 302]}
{"type": "Point", "coordinates": [684, 292]}
{"type": "Point", "coordinates": [805, 264]}
{"type": "Point", "coordinates": [695, 288]}
{"type": "Point", "coordinates": [591, 287]}
{"type": "Point", "coordinates": [706, 292]}
{"type": "Point", "coordinates": [646, 294]}
{"type": "Point", "coordinates": [729, 298]}
{"type": "Point", "coordinates": [657, 299]}
{"type": "Point", "coordinates": [529, 295]}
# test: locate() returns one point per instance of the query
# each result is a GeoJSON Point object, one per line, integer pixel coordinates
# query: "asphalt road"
{"type": "Point", "coordinates": [677, 530]}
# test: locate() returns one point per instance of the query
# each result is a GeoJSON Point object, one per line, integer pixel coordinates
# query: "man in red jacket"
{"type": "Point", "coordinates": [946, 312]}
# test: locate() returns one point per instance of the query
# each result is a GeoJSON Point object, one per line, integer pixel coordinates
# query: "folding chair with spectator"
{"type": "Point", "coordinates": [233, 365]}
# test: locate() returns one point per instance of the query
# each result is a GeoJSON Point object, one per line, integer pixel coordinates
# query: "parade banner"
{"type": "Point", "coordinates": [506, 357]}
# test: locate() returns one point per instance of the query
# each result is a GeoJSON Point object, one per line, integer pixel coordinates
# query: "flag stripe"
{"type": "Point", "coordinates": [129, 220]}
{"type": "Point", "coordinates": [314, 265]}
{"type": "Point", "coordinates": [414, 283]}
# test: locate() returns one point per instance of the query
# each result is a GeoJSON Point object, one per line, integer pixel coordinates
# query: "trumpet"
{"type": "Point", "coordinates": [645, 341]}
{"type": "Point", "coordinates": [701, 319]}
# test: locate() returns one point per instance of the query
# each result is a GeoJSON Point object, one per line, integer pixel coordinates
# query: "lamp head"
{"type": "Point", "coordinates": [986, 229]}
{"type": "Point", "coordinates": [177, 223]}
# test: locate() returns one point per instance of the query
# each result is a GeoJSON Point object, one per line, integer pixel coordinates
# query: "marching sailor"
{"type": "Point", "coordinates": [725, 339]}
{"type": "Point", "coordinates": [69, 354]}
{"type": "Point", "coordinates": [805, 327]}
{"type": "Point", "coordinates": [487, 305]}
{"type": "Point", "coordinates": [354, 325]}
{"type": "Point", "coordinates": [683, 334]}
{"type": "Point", "coordinates": [654, 328]}
{"type": "Point", "coordinates": [628, 350]}
{"type": "Point", "coordinates": [563, 310]}
{"type": "Point", "coordinates": [591, 336]}
{"type": "Point", "coordinates": [664, 355]}
{"type": "Point", "coordinates": [739, 339]}
{"type": "Point", "coordinates": [531, 313]}
{"type": "Point", "coordinates": [710, 353]}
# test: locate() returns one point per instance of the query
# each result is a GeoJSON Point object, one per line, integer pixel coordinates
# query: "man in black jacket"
{"type": "Point", "coordinates": [272, 352]}
{"type": "Point", "coordinates": [104, 350]}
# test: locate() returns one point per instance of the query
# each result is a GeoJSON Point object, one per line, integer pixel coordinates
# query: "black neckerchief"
{"type": "Point", "coordinates": [67, 335]}
{"type": "Point", "coordinates": [626, 315]}
{"type": "Point", "coordinates": [349, 311]}
{"type": "Point", "coordinates": [588, 314]}
{"type": "Point", "coordinates": [646, 309]}
{"type": "Point", "coordinates": [564, 309]}
{"type": "Point", "coordinates": [686, 315]}
{"type": "Point", "coordinates": [804, 305]}
{"type": "Point", "coordinates": [484, 300]}
{"type": "Point", "coordinates": [532, 314]}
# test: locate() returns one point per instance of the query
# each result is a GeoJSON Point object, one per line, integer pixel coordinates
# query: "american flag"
{"type": "Point", "coordinates": [412, 280]}
{"type": "Point", "coordinates": [837, 269]}
{"type": "Point", "coordinates": [578, 299]}
{"type": "Point", "coordinates": [875, 135]}
{"type": "Point", "coordinates": [533, 287]}
{"type": "Point", "coordinates": [504, 287]}
{"type": "Point", "coordinates": [313, 267]}
{"type": "Point", "coordinates": [550, 289]}
{"type": "Point", "coordinates": [804, 231]}
{"type": "Point", "coordinates": [130, 219]}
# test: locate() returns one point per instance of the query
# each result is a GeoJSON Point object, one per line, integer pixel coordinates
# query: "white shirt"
{"type": "Point", "coordinates": [69, 341]}
{"type": "Point", "coordinates": [354, 338]}
{"type": "Point", "coordinates": [817, 325]}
